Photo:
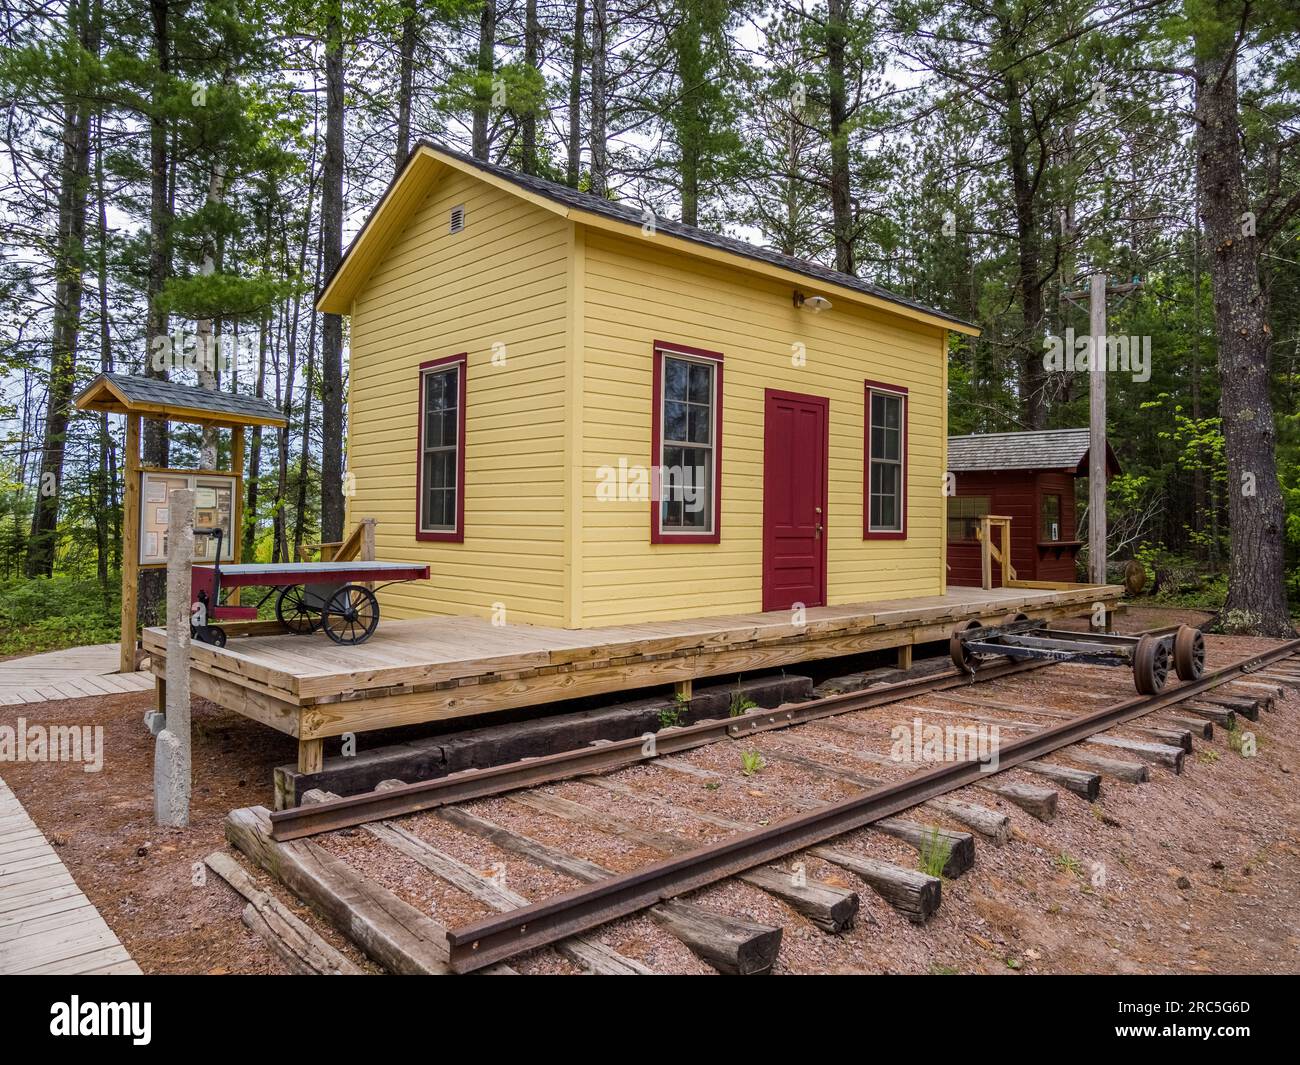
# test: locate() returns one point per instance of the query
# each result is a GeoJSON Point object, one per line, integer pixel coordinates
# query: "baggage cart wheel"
{"type": "Point", "coordinates": [962, 658]}
{"type": "Point", "coordinates": [351, 614]}
{"type": "Point", "coordinates": [213, 634]}
{"type": "Point", "coordinates": [295, 612]}
{"type": "Point", "coordinates": [1150, 664]}
{"type": "Point", "coordinates": [1011, 619]}
{"type": "Point", "coordinates": [1189, 652]}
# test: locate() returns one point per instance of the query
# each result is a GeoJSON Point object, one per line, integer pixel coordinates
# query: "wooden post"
{"type": "Point", "coordinates": [311, 756]}
{"type": "Point", "coordinates": [368, 545]}
{"type": "Point", "coordinates": [1097, 431]}
{"type": "Point", "coordinates": [171, 767]}
{"type": "Point", "coordinates": [682, 690]}
{"type": "Point", "coordinates": [130, 543]}
{"type": "Point", "coordinates": [905, 656]}
{"type": "Point", "coordinates": [986, 553]}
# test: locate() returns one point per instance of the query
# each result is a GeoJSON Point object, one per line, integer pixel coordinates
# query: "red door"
{"type": "Point", "coordinates": [794, 499]}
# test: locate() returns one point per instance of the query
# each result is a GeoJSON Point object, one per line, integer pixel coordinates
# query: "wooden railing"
{"type": "Point", "coordinates": [991, 552]}
{"type": "Point", "coordinates": [360, 545]}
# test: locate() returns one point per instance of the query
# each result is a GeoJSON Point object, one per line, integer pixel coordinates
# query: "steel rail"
{"type": "Point", "coordinates": [491, 939]}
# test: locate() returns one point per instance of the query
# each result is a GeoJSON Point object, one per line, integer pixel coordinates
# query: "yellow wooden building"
{"type": "Point", "coordinates": [579, 414]}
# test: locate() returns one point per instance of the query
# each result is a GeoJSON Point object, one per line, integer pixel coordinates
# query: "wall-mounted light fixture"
{"type": "Point", "coordinates": [816, 304]}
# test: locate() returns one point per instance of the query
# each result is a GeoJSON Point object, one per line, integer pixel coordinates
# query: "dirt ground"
{"type": "Point", "coordinates": [1192, 873]}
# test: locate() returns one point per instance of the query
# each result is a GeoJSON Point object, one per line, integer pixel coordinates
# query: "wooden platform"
{"type": "Point", "coordinates": [46, 924]}
{"type": "Point", "coordinates": [73, 673]}
{"type": "Point", "coordinates": [434, 668]}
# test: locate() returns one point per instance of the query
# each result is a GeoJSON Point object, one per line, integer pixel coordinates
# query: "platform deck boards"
{"type": "Point", "coordinates": [73, 673]}
{"type": "Point", "coordinates": [429, 668]}
{"type": "Point", "coordinates": [46, 924]}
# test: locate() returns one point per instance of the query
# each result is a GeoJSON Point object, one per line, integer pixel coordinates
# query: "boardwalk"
{"type": "Point", "coordinates": [46, 924]}
{"type": "Point", "coordinates": [74, 673]}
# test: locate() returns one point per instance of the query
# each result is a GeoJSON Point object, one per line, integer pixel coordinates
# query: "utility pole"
{"type": "Point", "coordinates": [1096, 293]}
{"type": "Point", "coordinates": [1097, 429]}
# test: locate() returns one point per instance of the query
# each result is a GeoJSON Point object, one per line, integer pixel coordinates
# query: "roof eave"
{"type": "Point", "coordinates": [366, 249]}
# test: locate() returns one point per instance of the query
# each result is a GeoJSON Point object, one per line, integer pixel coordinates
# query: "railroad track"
{"type": "Point", "coordinates": [402, 939]}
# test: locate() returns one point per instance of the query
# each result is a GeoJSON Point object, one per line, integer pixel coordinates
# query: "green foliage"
{"type": "Point", "coordinates": [46, 613]}
{"type": "Point", "coordinates": [935, 851]}
{"type": "Point", "coordinates": [671, 717]}
{"type": "Point", "coordinates": [751, 762]}
{"type": "Point", "coordinates": [740, 704]}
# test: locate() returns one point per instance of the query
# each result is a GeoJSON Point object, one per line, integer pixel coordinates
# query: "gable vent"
{"type": "Point", "coordinates": [457, 219]}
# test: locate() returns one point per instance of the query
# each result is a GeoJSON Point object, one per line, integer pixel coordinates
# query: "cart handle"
{"type": "Point", "coordinates": [216, 533]}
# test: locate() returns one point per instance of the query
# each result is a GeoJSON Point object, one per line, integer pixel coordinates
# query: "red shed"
{"type": "Point", "coordinates": [1029, 477]}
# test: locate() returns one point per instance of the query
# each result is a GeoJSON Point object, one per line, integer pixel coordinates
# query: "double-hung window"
{"type": "Point", "coordinates": [441, 505]}
{"type": "Point", "coordinates": [687, 434]}
{"type": "Point", "coordinates": [885, 462]}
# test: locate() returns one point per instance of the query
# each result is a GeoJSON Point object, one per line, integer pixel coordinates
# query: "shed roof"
{"type": "Point", "coordinates": [1043, 449]}
{"type": "Point", "coordinates": [357, 264]}
{"type": "Point", "coordinates": [119, 393]}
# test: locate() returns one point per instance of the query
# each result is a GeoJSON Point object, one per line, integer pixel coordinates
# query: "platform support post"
{"type": "Point", "coordinates": [311, 756]}
{"type": "Point", "coordinates": [130, 543]}
{"type": "Point", "coordinates": [682, 690]}
{"type": "Point", "coordinates": [905, 656]}
{"type": "Point", "coordinates": [171, 762]}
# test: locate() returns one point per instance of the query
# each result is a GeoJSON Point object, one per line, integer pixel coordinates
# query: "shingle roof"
{"type": "Point", "coordinates": [1047, 449]}
{"type": "Point", "coordinates": [636, 216]}
{"type": "Point", "coordinates": [138, 389]}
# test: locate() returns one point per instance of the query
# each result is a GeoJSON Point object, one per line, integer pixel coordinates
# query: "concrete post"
{"type": "Point", "coordinates": [171, 766]}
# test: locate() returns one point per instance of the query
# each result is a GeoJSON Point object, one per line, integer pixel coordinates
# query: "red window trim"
{"type": "Point", "coordinates": [867, 532]}
{"type": "Point", "coordinates": [657, 536]}
{"type": "Point", "coordinates": [457, 535]}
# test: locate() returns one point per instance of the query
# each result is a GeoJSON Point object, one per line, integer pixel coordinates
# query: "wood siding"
{"type": "Point", "coordinates": [1017, 494]}
{"type": "Point", "coordinates": [637, 293]}
{"type": "Point", "coordinates": [503, 280]}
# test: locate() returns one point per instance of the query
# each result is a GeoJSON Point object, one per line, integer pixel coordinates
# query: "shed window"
{"type": "Point", "coordinates": [688, 444]}
{"type": "Point", "coordinates": [442, 453]}
{"type": "Point", "coordinates": [886, 462]}
{"type": "Point", "coordinates": [964, 513]}
{"type": "Point", "coordinates": [1051, 517]}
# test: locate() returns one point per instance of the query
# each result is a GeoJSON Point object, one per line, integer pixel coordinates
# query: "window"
{"type": "Point", "coordinates": [441, 506]}
{"type": "Point", "coordinates": [1051, 518]}
{"type": "Point", "coordinates": [964, 513]}
{"type": "Point", "coordinates": [885, 462]}
{"type": "Point", "coordinates": [687, 445]}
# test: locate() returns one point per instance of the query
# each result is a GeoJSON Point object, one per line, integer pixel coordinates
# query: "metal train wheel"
{"type": "Point", "coordinates": [351, 614]}
{"type": "Point", "coordinates": [1189, 652]}
{"type": "Point", "coordinates": [963, 659]}
{"type": "Point", "coordinates": [295, 612]}
{"type": "Point", "coordinates": [1150, 664]}
{"type": "Point", "coordinates": [1011, 619]}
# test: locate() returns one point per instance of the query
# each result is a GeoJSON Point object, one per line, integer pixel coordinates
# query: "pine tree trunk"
{"type": "Point", "coordinates": [406, 69]}
{"type": "Point", "coordinates": [331, 488]}
{"type": "Point", "coordinates": [1256, 602]}
{"type": "Point", "coordinates": [574, 171]}
{"type": "Point", "coordinates": [69, 284]}
{"type": "Point", "coordinates": [837, 113]}
{"type": "Point", "coordinates": [205, 335]}
{"type": "Point", "coordinates": [599, 118]}
{"type": "Point", "coordinates": [487, 36]}
{"type": "Point", "coordinates": [1031, 373]}
{"type": "Point", "coordinates": [255, 449]}
{"type": "Point", "coordinates": [528, 121]}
